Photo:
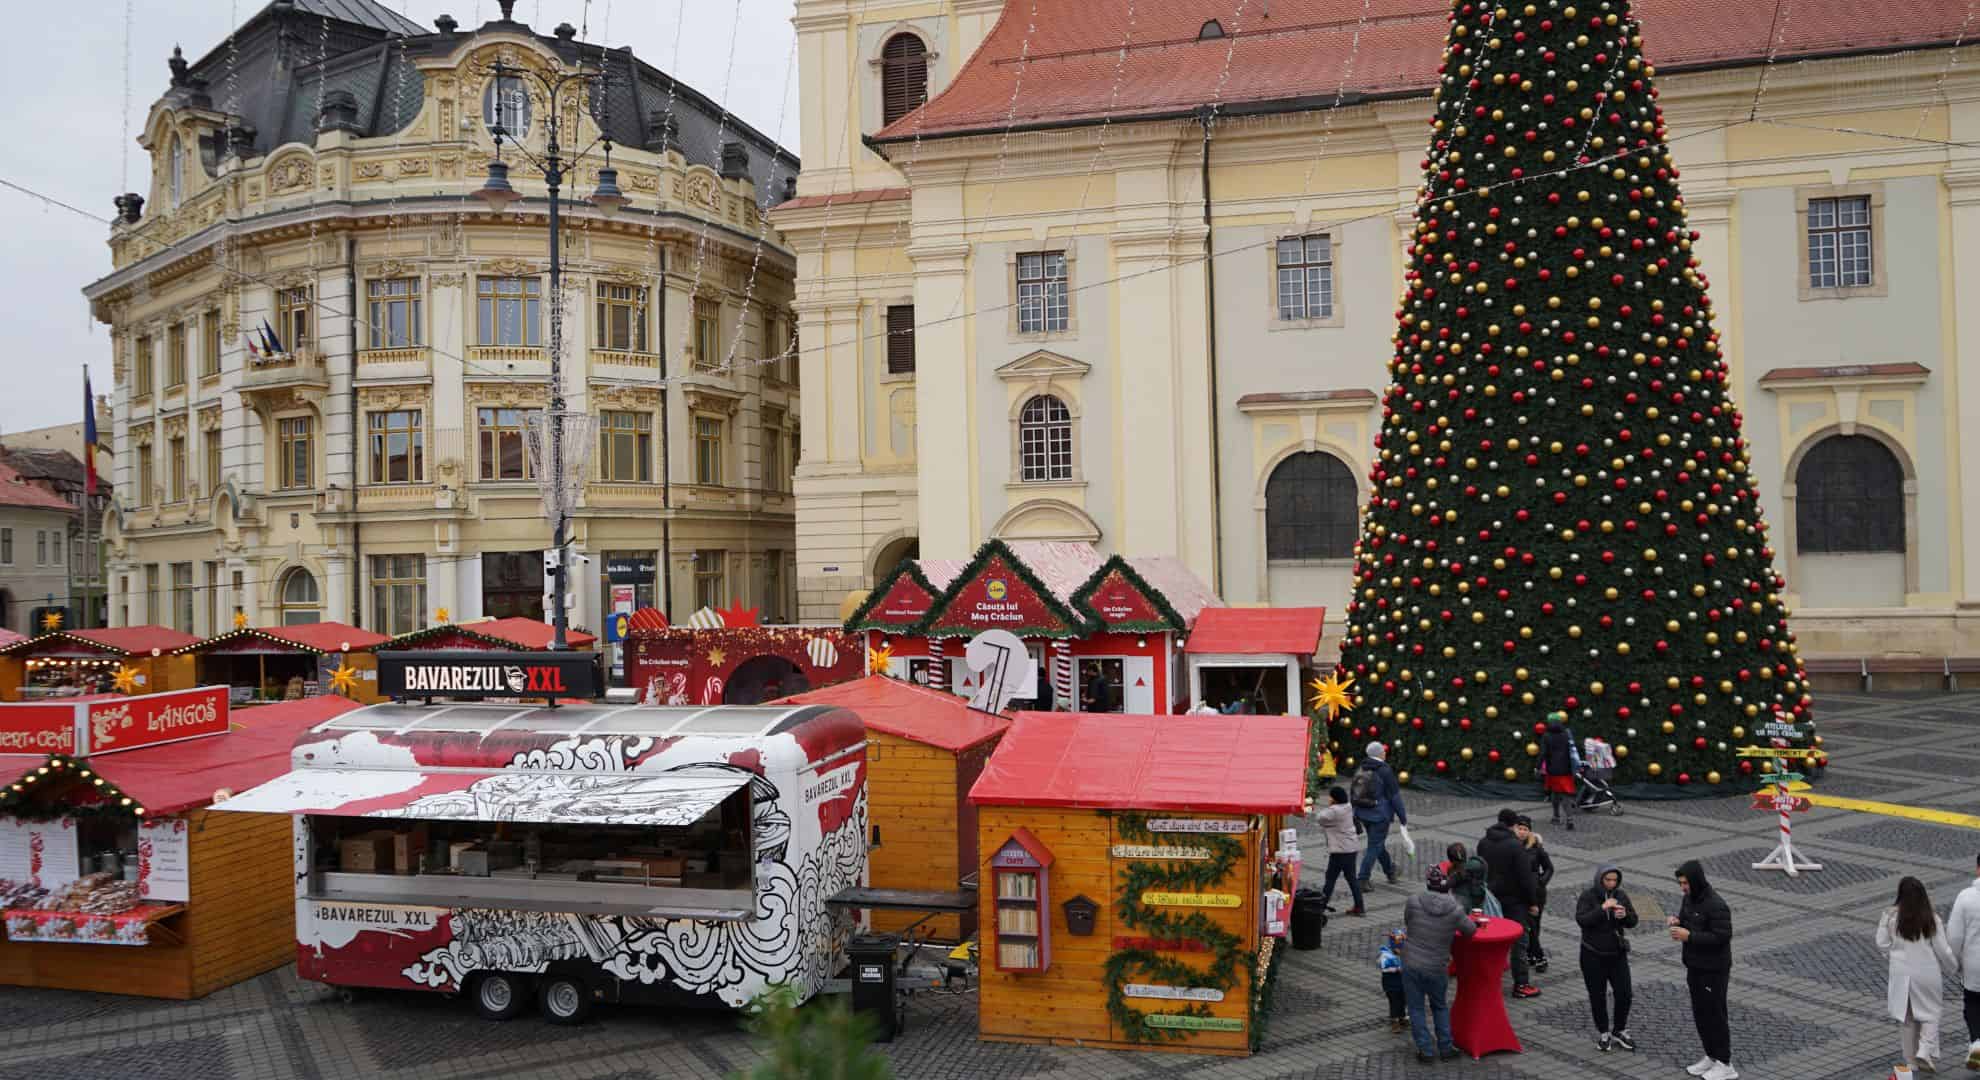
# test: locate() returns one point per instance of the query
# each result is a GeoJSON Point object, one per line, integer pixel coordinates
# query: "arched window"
{"type": "Point", "coordinates": [1849, 497]}
{"type": "Point", "coordinates": [301, 602]}
{"type": "Point", "coordinates": [1310, 508]}
{"type": "Point", "coordinates": [1211, 31]}
{"type": "Point", "coordinates": [903, 76]}
{"type": "Point", "coordinates": [177, 165]}
{"type": "Point", "coordinates": [1045, 440]}
{"type": "Point", "coordinates": [505, 104]}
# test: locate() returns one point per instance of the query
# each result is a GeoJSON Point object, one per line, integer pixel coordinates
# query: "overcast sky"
{"type": "Point", "coordinates": [70, 137]}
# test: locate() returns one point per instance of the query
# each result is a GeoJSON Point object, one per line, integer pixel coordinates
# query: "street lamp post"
{"type": "Point", "coordinates": [498, 194]}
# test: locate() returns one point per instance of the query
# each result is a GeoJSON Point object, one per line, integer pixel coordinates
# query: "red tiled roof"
{"type": "Point", "coordinates": [125, 640]}
{"type": "Point", "coordinates": [1304, 50]}
{"type": "Point", "coordinates": [16, 491]}
{"type": "Point", "coordinates": [930, 717]}
{"type": "Point", "coordinates": [1206, 764]}
{"type": "Point", "coordinates": [514, 632]}
{"type": "Point", "coordinates": [1846, 371]}
{"type": "Point", "coordinates": [843, 198]}
{"type": "Point", "coordinates": [321, 637]}
{"type": "Point", "coordinates": [1293, 630]}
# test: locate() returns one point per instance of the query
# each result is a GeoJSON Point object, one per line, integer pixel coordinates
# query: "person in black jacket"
{"type": "Point", "coordinates": [1703, 926]}
{"type": "Point", "coordinates": [1543, 872]}
{"type": "Point", "coordinates": [1604, 913]}
{"type": "Point", "coordinates": [1561, 763]}
{"type": "Point", "coordinates": [1509, 874]}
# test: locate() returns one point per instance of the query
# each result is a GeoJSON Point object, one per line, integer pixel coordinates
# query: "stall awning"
{"type": "Point", "coordinates": [1210, 764]}
{"type": "Point", "coordinates": [1292, 631]}
{"type": "Point", "coordinates": [672, 798]}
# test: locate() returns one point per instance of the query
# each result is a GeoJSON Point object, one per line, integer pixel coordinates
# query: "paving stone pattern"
{"type": "Point", "coordinates": [1807, 990]}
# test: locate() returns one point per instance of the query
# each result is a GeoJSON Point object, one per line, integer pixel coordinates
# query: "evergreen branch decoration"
{"type": "Point", "coordinates": [906, 568]}
{"type": "Point", "coordinates": [1082, 600]}
{"type": "Point", "coordinates": [1224, 947]}
{"type": "Point", "coordinates": [1075, 625]}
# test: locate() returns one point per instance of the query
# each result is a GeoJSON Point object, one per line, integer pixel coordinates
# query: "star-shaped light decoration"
{"type": "Point", "coordinates": [877, 657]}
{"type": "Point", "coordinates": [240, 620]}
{"type": "Point", "coordinates": [127, 678]}
{"type": "Point", "coordinates": [1335, 694]}
{"type": "Point", "coordinates": [344, 680]}
{"type": "Point", "coordinates": [717, 657]}
{"type": "Point", "coordinates": [443, 616]}
{"type": "Point", "coordinates": [52, 621]}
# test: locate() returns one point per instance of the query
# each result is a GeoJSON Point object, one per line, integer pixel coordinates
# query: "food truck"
{"type": "Point", "coordinates": [577, 854]}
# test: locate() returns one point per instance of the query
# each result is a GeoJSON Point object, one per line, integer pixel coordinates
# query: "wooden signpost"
{"type": "Point", "coordinates": [1782, 802]}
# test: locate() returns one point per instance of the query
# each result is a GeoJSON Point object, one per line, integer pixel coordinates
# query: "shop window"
{"type": "Point", "coordinates": [903, 77]}
{"type": "Point", "coordinates": [1311, 504]}
{"type": "Point", "coordinates": [508, 311]}
{"type": "Point", "coordinates": [500, 432]}
{"type": "Point", "coordinates": [1022, 889]}
{"type": "Point", "coordinates": [1102, 684]}
{"type": "Point", "coordinates": [1045, 440]}
{"type": "Point", "coordinates": [302, 602]}
{"type": "Point", "coordinates": [395, 310]}
{"type": "Point", "coordinates": [1849, 498]}
{"type": "Point", "coordinates": [398, 593]}
{"type": "Point", "coordinates": [512, 584]}
{"type": "Point", "coordinates": [606, 868]}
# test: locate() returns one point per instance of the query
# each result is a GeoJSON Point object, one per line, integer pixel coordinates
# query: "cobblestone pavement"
{"type": "Point", "coordinates": [1807, 984]}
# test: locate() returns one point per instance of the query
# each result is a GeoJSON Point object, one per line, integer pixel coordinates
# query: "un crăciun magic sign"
{"type": "Point", "coordinates": [475, 673]}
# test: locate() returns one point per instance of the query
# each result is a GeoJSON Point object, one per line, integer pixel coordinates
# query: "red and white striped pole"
{"type": "Point", "coordinates": [938, 668]}
{"type": "Point", "coordinates": [1062, 677]}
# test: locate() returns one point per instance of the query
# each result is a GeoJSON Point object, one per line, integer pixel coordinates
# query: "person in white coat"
{"type": "Point", "coordinates": [1963, 930]}
{"type": "Point", "coordinates": [1337, 828]}
{"type": "Point", "coordinates": [1911, 934]}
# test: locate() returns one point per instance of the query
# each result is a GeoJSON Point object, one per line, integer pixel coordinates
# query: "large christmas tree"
{"type": "Point", "coordinates": [1562, 514]}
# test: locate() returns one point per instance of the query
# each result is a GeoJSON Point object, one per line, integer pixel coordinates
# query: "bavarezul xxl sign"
{"type": "Point", "coordinates": [477, 673]}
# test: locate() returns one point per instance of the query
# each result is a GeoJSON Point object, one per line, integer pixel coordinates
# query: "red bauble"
{"type": "Point", "coordinates": [1443, 766]}
{"type": "Point", "coordinates": [1699, 742]}
{"type": "Point", "coordinates": [1684, 778]}
{"type": "Point", "coordinates": [1746, 768]}
{"type": "Point", "coordinates": [1540, 727]}
{"type": "Point", "coordinates": [1492, 756]}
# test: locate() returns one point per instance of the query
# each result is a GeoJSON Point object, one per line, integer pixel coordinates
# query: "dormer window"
{"type": "Point", "coordinates": [505, 105]}
{"type": "Point", "coordinates": [1211, 31]}
{"type": "Point", "coordinates": [177, 166]}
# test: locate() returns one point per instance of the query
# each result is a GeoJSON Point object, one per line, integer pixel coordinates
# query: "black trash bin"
{"type": "Point", "coordinates": [873, 981]}
{"type": "Point", "coordinates": [1309, 917]}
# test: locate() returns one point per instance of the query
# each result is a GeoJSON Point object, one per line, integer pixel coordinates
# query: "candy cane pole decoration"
{"type": "Point", "coordinates": [1782, 857]}
{"type": "Point", "coordinates": [938, 668]}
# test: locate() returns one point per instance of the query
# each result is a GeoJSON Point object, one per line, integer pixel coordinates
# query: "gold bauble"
{"type": "Point", "coordinates": [1533, 749]}
{"type": "Point", "coordinates": [1712, 777]}
{"type": "Point", "coordinates": [1402, 777]}
{"type": "Point", "coordinates": [1422, 749]}
{"type": "Point", "coordinates": [1512, 773]}
{"type": "Point", "coordinates": [1465, 753]}
{"type": "Point", "coordinates": [1656, 769]}
{"type": "Point", "coordinates": [1669, 727]}
{"type": "Point", "coordinates": [1622, 751]}
{"type": "Point", "coordinates": [1739, 732]}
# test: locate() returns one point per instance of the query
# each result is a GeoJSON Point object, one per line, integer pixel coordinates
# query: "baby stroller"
{"type": "Point", "coordinates": [1598, 767]}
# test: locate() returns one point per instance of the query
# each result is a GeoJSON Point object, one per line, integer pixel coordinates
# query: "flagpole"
{"type": "Point", "coordinates": [89, 501]}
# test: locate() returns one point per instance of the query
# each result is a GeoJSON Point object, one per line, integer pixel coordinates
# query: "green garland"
{"type": "Point", "coordinates": [1075, 625]}
{"type": "Point", "coordinates": [1167, 618]}
{"type": "Point", "coordinates": [1225, 955]}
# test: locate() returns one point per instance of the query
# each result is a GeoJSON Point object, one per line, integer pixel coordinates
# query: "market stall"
{"type": "Point", "coordinates": [515, 632]}
{"type": "Point", "coordinates": [1103, 631]}
{"type": "Point", "coordinates": [107, 839]}
{"type": "Point", "coordinates": [1252, 659]}
{"type": "Point", "coordinates": [63, 663]}
{"type": "Point", "coordinates": [1134, 879]}
{"type": "Point", "coordinates": [272, 663]}
{"type": "Point", "coordinates": [737, 665]}
{"type": "Point", "coordinates": [924, 748]}
{"type": "Point", "coordinates": [575, 854]}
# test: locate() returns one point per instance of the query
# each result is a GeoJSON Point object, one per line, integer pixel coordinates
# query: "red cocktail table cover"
{"type": "Point", "coordinates": [1479, 1024]}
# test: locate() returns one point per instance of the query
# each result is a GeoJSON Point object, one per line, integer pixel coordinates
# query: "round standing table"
{"type": "Point", "coordinates": [1479, 1024]}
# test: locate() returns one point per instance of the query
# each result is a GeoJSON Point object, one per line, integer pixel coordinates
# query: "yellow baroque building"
{"type": "Point", "coordinates": [1070, 273]}
{"type": "Point", "coordinates": [325, 348]}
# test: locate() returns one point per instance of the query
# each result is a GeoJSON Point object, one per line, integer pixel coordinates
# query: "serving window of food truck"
{"type": "Point", "coordinates": [579, 853]}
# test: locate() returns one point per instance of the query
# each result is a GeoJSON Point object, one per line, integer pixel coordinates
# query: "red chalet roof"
{"type": "Point", "coordinates": [515, 632]}
{"type": "Point", "coordinates": [8, 637]}
{"type": "Point", "coordinates": [318, 637]}
{"type": "Point", "coordinates": [930, 717]}
{"type": "Point", "coordinates": [122, 640]}
{"type": "Point", "coordinates": [1304, 53]}
{"type": "Point", "coordinates": [1257, 630]}
{"type": "Point", "coordinates": [1206, 764]}
{"type": "Point", "coordinates": [180, 776]}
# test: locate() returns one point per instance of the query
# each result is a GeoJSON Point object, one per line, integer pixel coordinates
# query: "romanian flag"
{"type": "Point", "coordinates": [89, 437]}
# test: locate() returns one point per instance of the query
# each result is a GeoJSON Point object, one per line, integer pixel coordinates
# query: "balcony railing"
{"type": "Point", "coordinates": [300, 368]}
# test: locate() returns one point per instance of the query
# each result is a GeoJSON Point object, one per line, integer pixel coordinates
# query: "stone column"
{"type": "Point", "coordinates": [944, 429]}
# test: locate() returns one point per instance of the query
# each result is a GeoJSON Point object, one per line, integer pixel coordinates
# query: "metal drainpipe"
{"type": "Point", "coordinates": [1207, 116]}
{"type": "Point", "coordinates": [666, 454]}
{"type": "Point", "coordinates": [357, 526]}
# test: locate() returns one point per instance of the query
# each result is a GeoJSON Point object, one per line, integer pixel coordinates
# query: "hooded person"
{"type": "Point", "coordinates": [1604, 913]}
{"type": "Point", "coordinates": [1561, 763]}
{"type": "Point", "coordinates": [1376, 796]}
{"type": "Point", "coordinates": [1703, 927]}
{"type": "Point", "coordinates": [1337, 829]}
{"type": "Point", "coordinates": [1431, 922]}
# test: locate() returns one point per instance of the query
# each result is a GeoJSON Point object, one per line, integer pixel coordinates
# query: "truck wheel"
{"type": "Point", "coordinates": [563, 1000]}
{"type": "Point", "coordinates": [498, 995]}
